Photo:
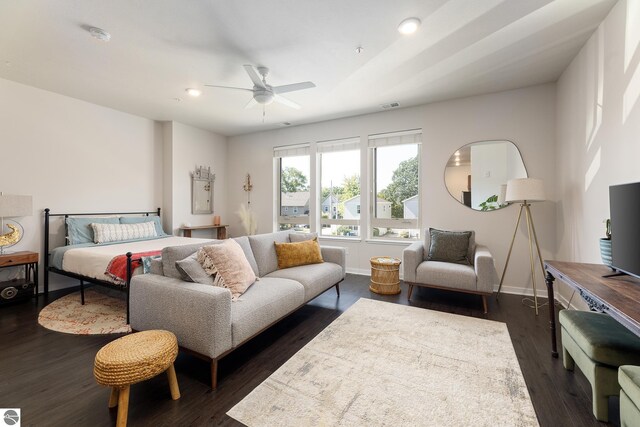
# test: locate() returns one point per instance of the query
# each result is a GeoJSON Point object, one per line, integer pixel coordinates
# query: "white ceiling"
{"type": "Point", "coordinates": [160, 47]}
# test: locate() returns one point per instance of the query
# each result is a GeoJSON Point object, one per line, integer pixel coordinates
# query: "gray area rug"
{"type": "Point", "coordinates": [383, 364]}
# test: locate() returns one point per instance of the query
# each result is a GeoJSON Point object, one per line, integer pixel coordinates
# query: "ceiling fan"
{"type": "Point", "coordinates": [265, 94]}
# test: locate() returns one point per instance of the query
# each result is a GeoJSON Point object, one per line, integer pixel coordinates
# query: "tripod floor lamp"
{"type": "Point", "coordinates": [524, 191]}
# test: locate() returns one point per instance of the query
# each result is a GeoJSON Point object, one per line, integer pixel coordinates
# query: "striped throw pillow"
{"type": "Point", "coordinates": [105, 233]}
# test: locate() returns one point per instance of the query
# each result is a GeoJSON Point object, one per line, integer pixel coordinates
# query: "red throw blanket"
{"type": "Point", "coordinates": [117, 268]}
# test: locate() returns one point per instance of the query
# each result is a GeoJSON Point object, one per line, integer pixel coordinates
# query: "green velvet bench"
{"type": "Point", "coordinates": [629, 379]}
{"type": "Point", "coordinates": [598, 344]}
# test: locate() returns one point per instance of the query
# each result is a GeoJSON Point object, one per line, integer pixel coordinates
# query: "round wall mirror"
{"type": "Point", "coordinates": [476, 175]}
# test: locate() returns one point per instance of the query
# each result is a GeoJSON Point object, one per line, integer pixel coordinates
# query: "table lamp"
{"type": "Point", "coordinates": [524, 191]}
{"type": "Point", "coordinates": [13, 206]}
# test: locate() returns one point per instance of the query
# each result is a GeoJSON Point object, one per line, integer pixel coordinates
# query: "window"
{"type": "Point", "coordinates": [292, 163]}
{"type": "Point", "coordinates": [340, 187]}
{"type": "Point", "coordinates": [358, 208]}
{"type": "Point", "coordinates": [395, 181]}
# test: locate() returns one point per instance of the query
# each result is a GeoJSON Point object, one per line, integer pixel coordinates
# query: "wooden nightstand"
{"type": "Point", "coordinates": [27, 259]}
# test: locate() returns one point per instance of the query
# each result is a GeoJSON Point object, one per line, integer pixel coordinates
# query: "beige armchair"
{"type": "Point", "coordinates": [479, 278]}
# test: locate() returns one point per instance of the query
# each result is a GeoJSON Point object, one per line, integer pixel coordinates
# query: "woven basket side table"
{"type": "Point", "coordinates": [132, 359]}
{"type": "Point", "coordinates": [385, 275]}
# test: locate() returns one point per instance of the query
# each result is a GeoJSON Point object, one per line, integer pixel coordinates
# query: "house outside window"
{"type": "Point", "coordinates": [339, 167]}
{"type": "Point", "coordinates": [292, 165]}
{"type": "Point", "coordinates": [395, 165]}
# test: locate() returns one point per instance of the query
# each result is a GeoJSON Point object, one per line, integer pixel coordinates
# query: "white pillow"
{"type": "Point", "coordinates": [104, 233]}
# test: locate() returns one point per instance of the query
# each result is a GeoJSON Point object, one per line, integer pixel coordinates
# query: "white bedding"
{"type": "Point", "coordinates": [93, 261]}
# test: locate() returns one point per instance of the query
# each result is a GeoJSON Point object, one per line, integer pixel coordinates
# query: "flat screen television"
{"type": "Point", "coordinates": [624, 202]}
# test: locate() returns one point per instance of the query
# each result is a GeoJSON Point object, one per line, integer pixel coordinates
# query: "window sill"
{"type": "Point", "coordinates": [340, 239]}
{"type": "Point", "coordinates": [392, 242]}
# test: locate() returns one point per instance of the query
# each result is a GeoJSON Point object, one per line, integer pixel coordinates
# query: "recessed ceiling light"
{"type": "Point", "coordinates": [457, 153]}
{"type": "Point", "coordinates": [409, 26]}
{"type": "Point", "coordinates": [193, 92]}
{"type": "Point", "coordinates": [359, 49]}
{"type": "Point", "coordinates": [457, 163]}
{"type": "Point", "coordinates": [100, 34]}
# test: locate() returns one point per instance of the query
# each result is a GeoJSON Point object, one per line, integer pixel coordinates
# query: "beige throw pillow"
{"type": "Point", "coordinates": [228, 263]}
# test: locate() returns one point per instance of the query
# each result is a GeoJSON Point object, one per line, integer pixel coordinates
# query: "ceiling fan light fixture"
{"type": "Point", "coordinates": [409, 26]}
{"type": "Point", "coordinates": [193, 92]}
{"type": "Point", "coordinates": [264, 97]}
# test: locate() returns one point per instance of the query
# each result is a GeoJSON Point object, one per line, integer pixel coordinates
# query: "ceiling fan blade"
{"type": "Point", "coordinates": [229, 87]}
{"type": "Point", "coordinates": [284, 101]}
{"type": "Point", "coordinates": [293, 87]}
{"type": "Point", "coordinates": [252, 102]}
{"type": "Point", "coordinates": [255, 78]}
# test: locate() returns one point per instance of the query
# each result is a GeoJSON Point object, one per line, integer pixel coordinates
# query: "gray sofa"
{"type": "Point", "coordinates": [478, 278]}
{"type": "Point", "coordinates": [203, 317]}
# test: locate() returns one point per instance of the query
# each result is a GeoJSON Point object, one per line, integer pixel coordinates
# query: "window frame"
{"type": "Point", "coordinates": [393, 223]}
{"type": "Point", "coordinates": [350, 145]}
{"type": "Point", "coordinates": [291, 220]}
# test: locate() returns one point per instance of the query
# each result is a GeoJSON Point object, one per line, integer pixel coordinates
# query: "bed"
{"type": "Point", "coordinates": [71, 250]}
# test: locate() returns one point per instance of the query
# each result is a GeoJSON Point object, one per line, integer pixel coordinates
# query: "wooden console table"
{"type": "Point", "coordinates": [221, 230]}
{"type": "Point", "coordinates": [617, 296]}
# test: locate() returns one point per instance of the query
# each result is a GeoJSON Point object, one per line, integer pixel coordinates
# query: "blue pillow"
{"type": "Point", "coordinates": [79, 229]}
{"type": "Point", "coordinates": [139, 219]}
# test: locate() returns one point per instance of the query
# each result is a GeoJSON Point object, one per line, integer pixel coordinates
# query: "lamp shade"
{"type": "Point", "coordinates": [12, 205]}
{"type": "Point", "coordinates": [521, 189]}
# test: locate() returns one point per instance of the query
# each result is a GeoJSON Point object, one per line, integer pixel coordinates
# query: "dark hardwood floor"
{"type": "Point", "coordinates": [50, 375]}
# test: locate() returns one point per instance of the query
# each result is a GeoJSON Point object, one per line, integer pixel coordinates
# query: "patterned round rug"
{"type": "Point", "coordinates": [100, 314]}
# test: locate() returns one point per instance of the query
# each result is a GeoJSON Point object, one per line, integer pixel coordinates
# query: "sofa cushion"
{"type": "Point", "coordinates": [172, 254]}
{"type": "Point", "coordinates": [230, 266]}
{"type": "Point", "coordinates": [264, 250]}
{"type": "Point", "coordinates": [447, 275]}
{"type": "Point", "coordinates": [298, 253]}
{"type": "Point", "coordinates": [192, 271]}
{"type": "Point", "coordinates": [243, 241]}
{"type": "Point", "coordinates": [268, 300]}
{"type": "Point", "coordinates": [472, 245]}
{"type": "Point", "coordinates": [301, 237]}
{"type": "Point", "coordinates": [316, 278]}
{"type": "Point", "coordinates": [449, 246]}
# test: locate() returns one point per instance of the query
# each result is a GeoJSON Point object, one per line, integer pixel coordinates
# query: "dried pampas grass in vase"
{"type": "Point", "coordinates": [248, 220]}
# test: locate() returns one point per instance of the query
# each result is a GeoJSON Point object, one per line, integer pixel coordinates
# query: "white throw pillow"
{"type": "Point", "coordinates": [105, 233]}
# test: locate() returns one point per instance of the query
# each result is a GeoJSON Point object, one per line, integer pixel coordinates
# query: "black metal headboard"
{"type": "Point", "coordinates": [48, 215]}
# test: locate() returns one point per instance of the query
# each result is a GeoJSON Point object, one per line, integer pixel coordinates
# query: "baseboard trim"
{"type": "Point", "coordinates": [359, 271]}
{"type": "Point", "coordinates": [513, 290]}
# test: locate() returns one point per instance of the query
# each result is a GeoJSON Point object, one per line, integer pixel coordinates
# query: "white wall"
{"type": "Point", "coordinates": [191, 147]}
{"type": "Point", "coordinates": [73, 156]}
{"type": "Point", "coordinates": [525, 116]}
{"type": "Point", "coordinates": [598, 131]}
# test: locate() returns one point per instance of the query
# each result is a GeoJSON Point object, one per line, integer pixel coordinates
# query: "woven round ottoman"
{"type": "Point", "coordinates": [134, 358]}
{"type": "Point", "coordinates": [385, 275]}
